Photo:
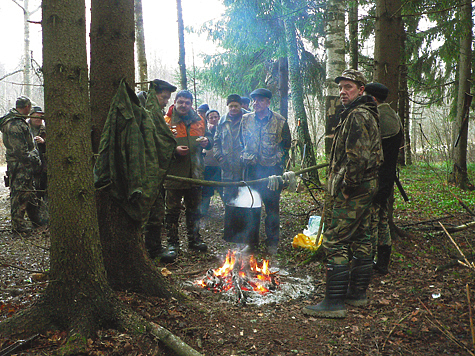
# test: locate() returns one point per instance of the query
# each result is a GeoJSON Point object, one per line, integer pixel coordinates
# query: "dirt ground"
{"type": "Point", "coordinates": [415, 310]}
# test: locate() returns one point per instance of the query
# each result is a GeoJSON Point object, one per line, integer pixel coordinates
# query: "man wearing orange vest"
{"type": "Point", "coordinates": [192, 136]}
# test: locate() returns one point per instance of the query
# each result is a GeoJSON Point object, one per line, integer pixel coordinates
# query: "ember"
{"type": "Point", "coordinates": [240, 277]}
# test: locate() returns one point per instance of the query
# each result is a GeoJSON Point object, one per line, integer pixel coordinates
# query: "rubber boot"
{"type": "Point", "coordinates": [333, 305]}
{"type": "Point", "coordinates": [153, 241]}
{"type": "Point", "coordinates": [193, 232]}
{"type": "Point", "coordinates": [170, 254]}
{"type": "Point", "coordinates": [360, 276]}
{"type": "Point", "coordinates": [384, 257]}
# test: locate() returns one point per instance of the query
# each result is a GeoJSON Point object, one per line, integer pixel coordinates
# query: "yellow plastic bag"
{"type": "Point", "coordinates": [309, 242]}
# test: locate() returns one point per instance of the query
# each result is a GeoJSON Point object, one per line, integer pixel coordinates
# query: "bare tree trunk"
{"type": "Point", "coordinates": [181, 41]}
{"type": "Point", "coordinates": [296, 86]}
{"type": "Point", "coordinates": [284, 87]}
{"type": "Point", "coordinates": [353, 25]}
{"type": "Point", "coordinates": [112, 59]}
{"type": "Point", "coordinates": [140, 44]}
{"type": "Point", "coordinates": [335, 65]}
{"type": "Point", "coordinates": [464, 73]}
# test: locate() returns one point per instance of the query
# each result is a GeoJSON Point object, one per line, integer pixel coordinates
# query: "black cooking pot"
{"type": "Point", "coordinates": [241, 225]}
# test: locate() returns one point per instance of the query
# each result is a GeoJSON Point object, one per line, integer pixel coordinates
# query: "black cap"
{"type": "Point", "coordinates": [245, 100]}
{"type": "Point", "coordinates": [22, 102]}
{"type": "Point", "coordinates": [261, 92]}
{"type": "Point", "coordinates": [160, 85]}
{"type": "Point", "coordinates": [234, 98]}
{"type": "Point", "coordinates": [37, 109]}
{"type": "Point", "coordinates": [378, 90]}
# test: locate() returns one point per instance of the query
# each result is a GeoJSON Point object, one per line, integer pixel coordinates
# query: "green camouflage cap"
{"type": "Point", "coordinates": [22, 102]}
{"type": "Point", "coordinates": [36, 109]}
{"type": "Point", "coordinates": [353, 75]}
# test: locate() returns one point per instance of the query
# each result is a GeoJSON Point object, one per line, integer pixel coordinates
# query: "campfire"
{"type": "Point", "coordinates": [241, 276]}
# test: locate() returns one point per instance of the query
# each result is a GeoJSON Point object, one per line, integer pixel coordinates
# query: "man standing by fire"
{"type": "Point", "coordinates": [191, 137]}
{"type": "Point", "coordinates": [355, 157]}
{"type": "Point", "coordinates": [266, 140]}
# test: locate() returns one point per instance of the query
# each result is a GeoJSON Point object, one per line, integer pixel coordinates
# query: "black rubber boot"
{"type": "Point", "coordinates": [333, 305]}
{"type": "Point", "coordinates": [193, 232]}
{"type": "Point", "coordinates": [384, 257]}
{"type": "Point", "coordinates": [153, 241]}
{"type": "Point", "coordinates": [360, 276]}
{"type": "Point", "coordinates": [170, 254]}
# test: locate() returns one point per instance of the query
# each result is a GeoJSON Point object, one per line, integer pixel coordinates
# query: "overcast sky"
{"type": "Point", "coordinates": [160, 22]}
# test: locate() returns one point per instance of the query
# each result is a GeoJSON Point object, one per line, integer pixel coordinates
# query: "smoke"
{"type": "Point", "coordinates": [246, 198]}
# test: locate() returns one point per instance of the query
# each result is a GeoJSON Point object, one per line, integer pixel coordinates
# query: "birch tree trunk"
{"type": "Point", "coordinates": [140, 45]}
{"type": "Point", "coordinates": [464, 77]}
{"type": "Point", "coordinates": [181, 41]}
{"type": "Point", "coordinates": [335, 65]}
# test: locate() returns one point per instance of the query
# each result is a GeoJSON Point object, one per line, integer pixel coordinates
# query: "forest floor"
{"type": "Point", "coordinates": [417, 309]}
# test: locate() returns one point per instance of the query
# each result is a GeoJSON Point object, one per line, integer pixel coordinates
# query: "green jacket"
{"type": "Point", "coordinates": [356, 149]}
{"type": "Point", "coordinates": [133, 155]}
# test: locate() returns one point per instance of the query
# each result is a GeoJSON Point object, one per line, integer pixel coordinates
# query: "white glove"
{"type": "Point", "coordinates": [290, 180]}
{"type": "Point", "coordinates": [273, 183]}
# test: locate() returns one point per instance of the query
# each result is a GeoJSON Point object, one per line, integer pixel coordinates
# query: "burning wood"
{"type": "Point", "coordinates": [240, 277]}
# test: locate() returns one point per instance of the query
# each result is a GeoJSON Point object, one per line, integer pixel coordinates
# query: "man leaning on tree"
{"type": "Point", "coordinates": [355, 158]}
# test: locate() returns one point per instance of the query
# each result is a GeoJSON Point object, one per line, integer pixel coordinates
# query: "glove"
{"type": "Point", "coordinates": [274, 182]}
{"type": "Point", "coordinates": [290, 180]}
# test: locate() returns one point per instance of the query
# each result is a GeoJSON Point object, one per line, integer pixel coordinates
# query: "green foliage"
{"type": "Point", "coordinates": [430, 195]}
{"type": "Point", "coordinates": [251, 38]}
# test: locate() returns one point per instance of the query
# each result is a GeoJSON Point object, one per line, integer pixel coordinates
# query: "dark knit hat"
{"type": "Point", "coordinates": [203, 107]}
{"type": "Point", "coordinates": [234, 98]}
{"type": "Point", "coordinates": [210, 111]}
{"type": "Point", "coordinates": [261, 92]}
{"type": "Point", "coordinates": [353, 75]}
{"type": "Point", "coordinates": [22, 102]}
{"type": "Point", "coordinates": [378, 90]}
{"type": "Point", "coordinates": [160, 85]}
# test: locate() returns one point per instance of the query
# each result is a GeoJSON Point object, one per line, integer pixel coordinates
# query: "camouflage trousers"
{"type": "Point", "coordinates": [349, 230]}
{"type": "Point", "coordinates": [380, 233]}
{"type": "Point", "coordinates": [23, 198]}
{"type": "Point", "coordinates": [157, 212]}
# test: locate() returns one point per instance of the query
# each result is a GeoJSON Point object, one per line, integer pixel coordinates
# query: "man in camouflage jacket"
{"type": "Point", "coordinates": [23, 161]}
{"type": "Point", "coordinates": [192, 136]}
{"type": "Point", "coordinates": [352, 182]}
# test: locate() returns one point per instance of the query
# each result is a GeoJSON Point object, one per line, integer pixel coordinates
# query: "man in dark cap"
{"type": "Point", "coordinates": [245, 103]}
{"type": "Point", "coordinates": [212, 168]}
{"type": "Point", "coordinates": [227, 145]}
{"type": "Point", "coordinates": [391, 137]}
{"type": "Point", "coordinates": [192, 137]}
{"type": "Point", "coordinates": [202, 110]}
{"type": "Point", "coordinates": [23, 161]}
{"type": "Point", "coordinates": [355, 158]}
{"type": "Point", "coordinates": [266, 140]}
{"type": "Point", "coordinates": [156, 100]}
{"type": "Point", "coordinates": [38, 131]}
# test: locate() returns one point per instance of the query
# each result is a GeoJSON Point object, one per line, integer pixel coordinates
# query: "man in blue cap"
{"type": "Point", "coordinates": [266, 140]}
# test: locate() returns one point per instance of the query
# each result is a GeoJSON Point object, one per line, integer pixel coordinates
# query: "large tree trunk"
{"type": "Point", "coordinates": [78, 297]}
{"type": "Point", "coordinates": [353, 26]}
{"type": "Point", "coordinates": [112, 59]}
{"type": "Point", "coordinates": [387, 47]}
{"type": "Point", "coordinates": [296, 88]}
{"type": "Point", "coordinates": [140, 44]}
{"type": "Point", "coordinates": [181, 41]}
{"type": "Point", "coordinates": [464, 73]}
{"type": "Point", "coordinates": [335, 65]}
